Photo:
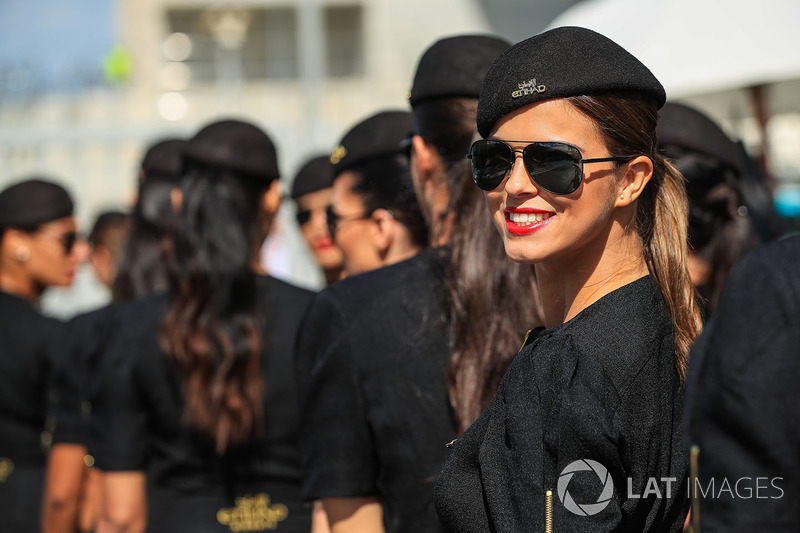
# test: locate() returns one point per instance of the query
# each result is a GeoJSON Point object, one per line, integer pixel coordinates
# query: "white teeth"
{"type": "Point", "coordinates": [526, 219]}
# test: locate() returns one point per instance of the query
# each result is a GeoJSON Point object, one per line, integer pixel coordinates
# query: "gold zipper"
{"type": "Point", "coordinates": [548, 512]}
{"type": "Point", "coordinates": [525, 340]}
{"type": "Point", "coordinates": [694, 526]}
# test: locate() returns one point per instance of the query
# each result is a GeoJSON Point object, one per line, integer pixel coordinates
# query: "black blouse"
{"type": "Point", "coordinates": [137, 423]}
{"type": "Point", "coordinates": [376, 417]}
{"type": "Point", "coordinates": [81, 343]}
{"type": "Point", "coordinates": [585, 417]}
{"type": "Point", "coordinates": [25, 370]}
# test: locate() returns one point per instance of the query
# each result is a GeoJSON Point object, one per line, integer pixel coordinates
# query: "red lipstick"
{"type": "Point", "coordinates": [517, 229]}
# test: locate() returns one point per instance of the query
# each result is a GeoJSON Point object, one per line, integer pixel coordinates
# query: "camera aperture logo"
{"type": "Point", "coordinates": [665, 487]}
{"type": "Point", "coordinates": [585, 509]}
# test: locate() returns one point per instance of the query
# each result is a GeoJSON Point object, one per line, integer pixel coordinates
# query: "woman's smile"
{"type": "Point", "coordinates": [526, 220]}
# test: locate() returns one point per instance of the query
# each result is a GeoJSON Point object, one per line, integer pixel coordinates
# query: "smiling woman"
{"type": "Point", "coordinates": [575, 187]}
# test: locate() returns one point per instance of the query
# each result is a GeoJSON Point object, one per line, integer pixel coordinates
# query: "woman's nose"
{"type": "Point", "coordinates": [519, 182]}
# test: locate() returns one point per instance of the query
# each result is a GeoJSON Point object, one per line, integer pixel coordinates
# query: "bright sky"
{"type": "Point", "coordinates": [54, 36]}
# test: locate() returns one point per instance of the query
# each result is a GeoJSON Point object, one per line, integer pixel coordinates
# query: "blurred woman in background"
{"type": "Point", "coordinates": [404, 357]}
{"type": "Point", "coordinates": [73, 485]}
{"type": "Point", "coordinates": [720, 226]}
{"type": "Point", "coordinates": [374, 216]}
{"type": "Point", "coordinates": [312, 190]}
{"type": "Point", "coordinates": [477, 273]}
{"type": "Point", "coordinates": [194, 419]}
{"type": "Point", "coordinates": [37, 238]}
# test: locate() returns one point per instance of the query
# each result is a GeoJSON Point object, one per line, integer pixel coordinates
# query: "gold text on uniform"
{"type": "Point", "coordinates": [253, 514]}
{"type": "Point", "coordinates": [6, 467]}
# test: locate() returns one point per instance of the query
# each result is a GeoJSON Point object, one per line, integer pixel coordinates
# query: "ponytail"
{"type": "Point", "coordinates": [211, 331]}
{"type": "Point", "coordinates": [662, 217]}
{"type": "Point", "coordinates": [627, 123]}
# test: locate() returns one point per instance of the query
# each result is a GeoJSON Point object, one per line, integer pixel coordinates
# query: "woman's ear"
{"type": "Point", "coordinates": [383, 230]}
{"type": "Point", "coordinates": [16, 244]}
{"type": "Point", "coordinates": [427, 160]}
{"type": "Point", "coordinates": [638, 172]}
{"type": "Point", "coordinates": [271, 199]}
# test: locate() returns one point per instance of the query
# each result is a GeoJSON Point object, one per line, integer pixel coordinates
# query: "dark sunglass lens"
{"type": "Point", "coordinates": [553, 166]}
{"type": "Point", "coordinates": [303, 216]}
{"type": "Point", "coordinates": [490, 161]}
{"type": "Point", "coordinates": [69, 241]}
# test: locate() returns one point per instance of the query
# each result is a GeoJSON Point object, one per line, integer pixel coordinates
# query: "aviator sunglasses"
{"type": "Point", "coordinates": [555, 167]}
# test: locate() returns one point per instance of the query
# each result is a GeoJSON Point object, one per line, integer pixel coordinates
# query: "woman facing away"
{"type": "Point", "coordinates": [194, 421]}
{"type": "Point", "coordinates": [583, 433]}
{"type": "Point", "coordinates": [396, 359]}
{"type": "Point", "coordinates": [72, 494]}
{"type": "Point", "coordinates": [37, 251]}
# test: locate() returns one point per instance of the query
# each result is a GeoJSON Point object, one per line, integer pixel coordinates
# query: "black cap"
{"type": "Point", "coordinates": [687, 128]}
{"type": "Point", "coordinates": [162, 160]}
{"type": "Point", "coordinates": [235, 145]}
{"type": "Point", "coordinates": [379, 135]}
{"type": "Point", "coordinates": [32, 203]}
{"type": "Point", "coordinates": [316, 174]}
{"type": "Point", "coordinates": [560, 63]}
{"type": "Point", "coordinates": [455, 67]}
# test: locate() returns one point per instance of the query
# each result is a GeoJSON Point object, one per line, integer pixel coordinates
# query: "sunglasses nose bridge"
{"type": "Point", "coordinates": [519, 182]}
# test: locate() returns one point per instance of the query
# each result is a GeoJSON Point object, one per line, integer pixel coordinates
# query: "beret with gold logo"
{"type": "Point", "coordinates": [560, 63]}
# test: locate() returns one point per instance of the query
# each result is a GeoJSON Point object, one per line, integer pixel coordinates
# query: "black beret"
{"type": "Point", "coordinates": [32, 203]}
{"type": "Point", "coordinates": [455, 67]}
{"type": "Point", "coordinates": [379, 135]}
{"type": "Point", "coordinates": [162, 160]}
{"type": "Point", "coordinates": [234, 145]}
{"type": "Point", "coordinates": [316, 174]}
{"type": "Point", "coordinates": [560, 63]}
{"type": "Point", "coordinates": [687, 128]}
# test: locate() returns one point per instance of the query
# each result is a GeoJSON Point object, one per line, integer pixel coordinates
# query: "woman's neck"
{"type": "Point", "coordinates": [22, 287]}
{"type": "Point", "coordinates": [571, 284]}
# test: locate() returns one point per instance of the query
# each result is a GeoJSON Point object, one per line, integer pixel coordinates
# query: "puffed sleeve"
{"type": "Point", "coordinates": [742, 398]}
{"type": "Point", "coordinates": [337, 446]}
{"type": "Point", "coordinates": [119, 422]}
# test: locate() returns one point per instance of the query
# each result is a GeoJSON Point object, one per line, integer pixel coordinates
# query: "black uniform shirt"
{"type": "Point", "coordinates": [742, 398]}
{"type": "Point", "coordinates": [25, 362]}
{"type": "Point", "coordinates": [138, 423]}
{"type": "Point", "coordinates": [376, 417]}
{"type": "Point", "coordinates": [589, 410]}
{"type": "Point", "coordinates": [80, 343]}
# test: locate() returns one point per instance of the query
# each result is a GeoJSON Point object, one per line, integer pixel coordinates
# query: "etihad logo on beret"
{"type": "Point", "coordinates": [338, 154]}
{"type": "Point", "coordinates": [528, 87]}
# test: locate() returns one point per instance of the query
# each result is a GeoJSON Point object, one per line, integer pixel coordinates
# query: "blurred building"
{"type": "Point", "coordinates": [86, 85]}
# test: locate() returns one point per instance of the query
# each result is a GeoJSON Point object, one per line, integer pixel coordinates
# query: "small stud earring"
{"type": "Point", "coordinates": [23, 254]}
{"type": "Point", "coordinates": [621, 196]}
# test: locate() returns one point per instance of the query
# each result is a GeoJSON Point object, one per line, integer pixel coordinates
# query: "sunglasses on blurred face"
{"type": "Point", "coordinates": [555, 167]}
{"type": "Point", "coordinates": [67, 240]}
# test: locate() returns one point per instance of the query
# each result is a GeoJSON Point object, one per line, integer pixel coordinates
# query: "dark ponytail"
{"type": "Point", "coordinates": [492, 300]}
{"type": "Point", "coordinates": [212, 331]}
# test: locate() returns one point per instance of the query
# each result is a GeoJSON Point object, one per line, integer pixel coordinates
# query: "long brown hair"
{"type": "Point", "coordinates": [211, 331]}
{"type": "Point", "coordinates": [487, 309]}
{"type": "Point", "coordinates": [627, 123]}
